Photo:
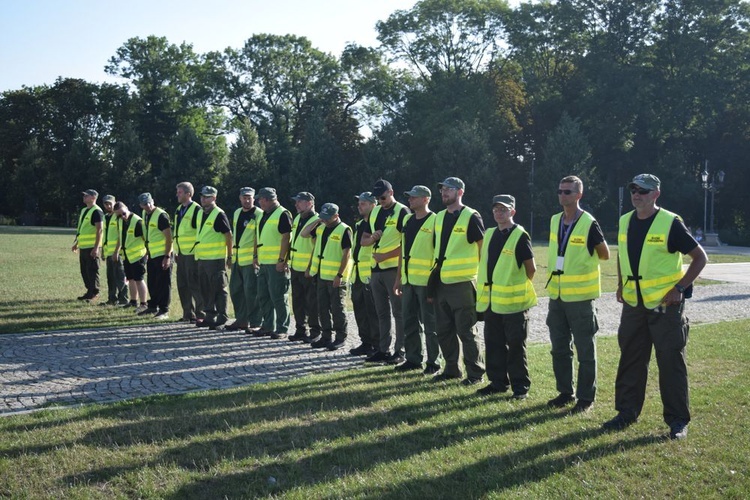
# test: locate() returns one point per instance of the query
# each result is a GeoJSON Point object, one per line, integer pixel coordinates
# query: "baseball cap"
{"type": "Point", "coordinates": [504, 199]}
{"type": "Point", "coordinates": [381, 186]}
{"type": "Point", "coordinates": [646, 181]}
{"type": "Point", "coordinates": [366, 196]}
{"type": "Point", "coordinates": [303, 195]}
{"type": "Point", "coordinates": [145, 199]}
{"type": "Point", "coordinates": [209, 191]}
{"type": "Point", "coordinates": [91, 192]}
{"type": "Point", "coordinates": [268, 193]}
{"type": "Point", "coordinates": [328, 210]}
{"type": "Point", "coordinates": [419, 190]}
{"type": "Point", "coordinates": [108, 198]}
{"type": "Point", "coordinates": [452, 182]}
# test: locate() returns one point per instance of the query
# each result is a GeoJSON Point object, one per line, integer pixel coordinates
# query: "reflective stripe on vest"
{"type": "Point", "coordinates": [269, 238]}
{"type": "Point", "coordinates": [362, 269]}
{"type": "Point", "coordinates": [210, 245]}
{"type": "Point", "coordinates": [184, 232]}
{"type": "Point", "coordinates": [111, 233]}
{"type": "Point", "coordinates": [156, 242]}
{"type": "Point", "coordinates": [391, 238]}
{"type": "Point", "coordinates": [461, 257]}
{"type": "Point", "coordinates": [135, 246]}
{"type": "Point", "coordinates": [86, 234]}
{"type": "Point", "coordinates": [510, 290]}
{"type": "Point", "coordinates": [580, 278]}
{"type": "Point", "coordinates": [301, 249]}
{"type": "Point", "coordinates": [245, 248]}
{"type": "Point", "coordinates": [417, 265]}
{"type": "Point", "coordinates": [659, 269]}
{"type": "Point", "coordinates": [326, 264]}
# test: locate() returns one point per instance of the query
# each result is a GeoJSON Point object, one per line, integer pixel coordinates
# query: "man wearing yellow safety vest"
{"type": "Point", "coordinates": [131, 246]}
{"type": "Point", "coordinates": [185, 228]}
{"type": "Point", "coordinates": [417, 256]}
{"type": "Point", "coordinates": [88, 242]}
{"type": "Point", "coordinates": [331, 264]}
{"type": "Point", "coordinates": [576, 245]}
{"type": "Point", "coordinates": [117, 288]}
{"type": "Point", "coordinates": [213, 252]}
{"type": "Point", "coordinates": [362, 301]}
{"type": "Point", "coordinates": [273, 239]}
{"type": "Point", "coordinates": [652, 288]}
{"type": "Point", "coordinates": [159, 264]}
{"type": "Point", "coordinates": [459, 231]}
{"type": "Point", "coordinates": [384, 235]}
{"type": "Point", "coordinates": [504, 295]}
{"type": "Point", "coordinates": [243, 283]}
{"type": "Point", "coordinates": [304, 288]}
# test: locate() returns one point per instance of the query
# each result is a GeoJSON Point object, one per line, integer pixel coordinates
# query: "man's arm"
{"type": "Point", "coordinates": [602, 250]}
{"type": "Point", "coordinates": [674, 296]}
{"type": "Point", "coordinates": [530, 266]}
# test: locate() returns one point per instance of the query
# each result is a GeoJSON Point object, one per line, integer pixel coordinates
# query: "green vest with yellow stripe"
{"type": "Point", "coordinates": [461, 257]}
{"type": "Point", "coordinates": [210, 244]}
{"type": "Point", "coordinates": [658, 270]}
{"type": "Point", "coordinates": [134, 246]}
{"type": "Point", "coordinates": [361, 263]}
{"type": "Point", "coordinates": [244, 249]}
{"type": "Point", "coordinates": [269, 238]}
{"type": "Point", "coordinates": [416, 266]}
{"type": "Point", "coordinates": [510, 290]}
{"type": "Point", "coordinates": [111, 233]}
{"type": "Point", "coordinates": [156, 242]}
{"type": "Point", "coordinates": [580, 277]}
{"type": "Point", "coordinates": [301, 249]}
{"type": "Point", "coordinates": [326, 262]}
{"type": "Point", "coordinates": [184, 232]}
{"type": "Point", "coordinates": [86, 233]}
{"type": "Point", "coordinates": [391, 238]}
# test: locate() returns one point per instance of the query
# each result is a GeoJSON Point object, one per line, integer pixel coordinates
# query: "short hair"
{"type": "Point", "coordinates": [187, 187]}
{"type": "Point", "coordinates": [574, 179]}
{"type": "Point", "coordinates": [119, 205]}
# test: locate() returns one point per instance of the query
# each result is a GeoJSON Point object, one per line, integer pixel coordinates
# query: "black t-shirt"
{"type": "Point", "coordinates": [324, 232]}
{"type": "Point", "coordinates": [475, 232]}
{"type": "Point", "coordinates": [137, 232]}
{"type": "Point", "coordinates": [359, 231]}
{"type": "Point", "coordinates": [285, 221]}
{"type": "Point", "coordinates": [523, 249]}
{"type": "Point", "coordinates": [595, 236]}
{"type": "Point", "coordinates": [242, 221]}
{"type": "Point", "coordinates": [379, 223]}
{"type": "Point", "coordinates": [180, 213]}
{"type": "Point", "coordinates": [96, 216]}
{"type": "Point", "coordinates": [221, 223]}
{"type": "Point", "coordinates": [302, 221]}
{"type": "Point", "coordinates": [162, 223]}
{"type": "Point", "coordinates": [411, 230]}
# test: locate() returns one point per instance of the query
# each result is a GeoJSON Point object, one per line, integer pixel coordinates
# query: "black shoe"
{"type": "Point", "coordinates": [471, 380]}
{"type": "Point", "coordinates": [362, 350]}
{"type": "Point", "coordinates": [219, 327]}
{"type": "Point", "coordinates": [378, 357]}
{"type": "Point", "coordinates": [278, 335]}
{"type": "Point", "coordinates": [92, 298]}
{"type": "Point", "coordinates": [490, 390]}
{"type": "Point", "coordinates": [336, 345]}
{"type": "Point", "coordinates": [444, 377]}
{"type": "Point", "coordinates": [261, 333]}
{"type": "Point", "coordinates": [620, 422]}
{"type": "Point", "coordinates": [129, 304]}
{"type": "Point", "coordinates": [320, 343]}
{"type": "Point", "coordinates": [520, 396]}
{"type": "Point", "coordinates": [85, 296]}
{"type": "Point", "coordinates": [431, 369]}
{"type": "Point", "coordinates": [678, 430]}
{"type": "Point", "coordinates": [581, 406]}
{"type": "Point", "coordinates": [147, 311]}
{"type": "Point", "coordinates": [235, 327]}
{"type": "Point", "coordinates": [561, 400]}
{"type": "Point", "coordinates": [297, 337]}
{"type": "Point", "coordinates": [108, 303]}
{"type": "Point", "coordinates": [206, 323]}
{"type": "Point", "coordinates": [396, 358]}
{"type": "Point", "coordinates": [309, 339]}
{"type": "Point", "coordinates": [408, 366]}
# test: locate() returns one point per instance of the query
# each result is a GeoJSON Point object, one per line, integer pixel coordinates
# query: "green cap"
{"type": "Point", "coordinates": [452, 182]}
{"type": "Point", "coordinates": [418, 191]}
{"type": "Point", "coordinates": [646, 181]}
{"type": "Point", "coordinates": [209, 191]}
{"type": "Point", "coordinates": [505, 200]}
{"type": "Point", "coordinates": [366, 196]}
{"type": "Point", "coordinates": [328, 210]}
{"type": "Point", "coordinates": [247, 191]}
{"type": "Point", "coordinates": [108, 198]}
{"type": "Point", "coordinates": [267, 192]}
{"type": "Point", "coordinates": [145, 199]}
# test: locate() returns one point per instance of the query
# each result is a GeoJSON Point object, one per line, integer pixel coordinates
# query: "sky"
{"type": "Point", "coordinates": [41, 40]}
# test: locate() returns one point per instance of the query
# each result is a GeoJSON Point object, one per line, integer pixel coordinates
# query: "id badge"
{"type": "Point", "coordinates": [560, 262]}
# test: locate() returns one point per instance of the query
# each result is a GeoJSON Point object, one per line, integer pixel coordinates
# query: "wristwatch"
{"type": "Point", "coordinates": [282, 260]}
{"type": "Point", "coordinates": [680, 288]}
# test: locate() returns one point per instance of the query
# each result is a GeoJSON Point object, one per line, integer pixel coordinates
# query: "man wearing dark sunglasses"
{"type": "Point", "coordinates": [576, 245]}
{"type": "Point", "coordinates": [652, 288]}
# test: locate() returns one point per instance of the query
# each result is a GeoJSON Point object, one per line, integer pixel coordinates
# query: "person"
{"type": "Point", "coordinates": [459, 231]}
{"type": "Point", "coordinates": [243, 282]}
{"type": "Point", "coordinates": [159, 264]}
{"type": "Point", "coordinates": [576, 245]}
{"type": "Point", "coordinates": [117, 288]}
{"type": "Point", "coordinates": [384, 235]}
{"type": "Point", "coordinates": [652, 288]}
{"type": "Point", "coordinates": [185, 224]}
{"type": "Point", "coordinates": [88, 243]}
{"type": "Point", "coordinates": [131, 244]}
{"type": "Point", "coordinates": [504, 296]}
{"type": "Point", "coordinates": [213, 254]}
{"type": "Point", "coordinates": [304, 288]}
{"type": "Point", "coordinates": [699, 235]}
{"type": "Point", "coordinates": [362, 301]}
{"type": "Point", "coordinates": [273, 238]}
{"type": "Point", "coordinates": [331, 264]}
{"type": "Point", "coordinates": [417, 250]}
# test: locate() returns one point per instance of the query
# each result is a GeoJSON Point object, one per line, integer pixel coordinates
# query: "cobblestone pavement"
{"type": "Point", "coordinates": [64, 368]}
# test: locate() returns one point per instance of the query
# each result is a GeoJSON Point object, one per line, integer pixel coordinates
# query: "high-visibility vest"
{"type": "Point", "coordinates": [134, 246]}
{"type": "Point", "coordinates": [327, 261]}
{"type": "Point", "coordinates": [210, 245]}
{"type": "Point", "coordinates": [510, 290]}
{"type": "Point", "coordinates": [245, 248]}
{"type": "Point", "coordinates": [184, 232]}
{"type": "Point", "coordinates": [269, 238]}
{"type": "Point", "coordinates": [415, 267]}
{"type": "Point", "coordinates": [111, 233]}
{"type": "Point", "coordinates": [461, 257]}
{"type": "Point", "coordinates": [301, 249]}
{"type": "Point", "coordinates": [86, 233]}
{"type": "Point", "coordinates": [580, 277]}
{"type": "Point", "coordinates": [391, 238]}
{"type": "Point", "coordinates": [361, 263]}
{"type": "Point", "coordinates": [658, 269]}
{"type": "Point", "coordinates": [156, 242]}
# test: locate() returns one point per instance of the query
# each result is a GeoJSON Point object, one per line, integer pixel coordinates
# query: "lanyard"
{"type": "Point", "coordinates": [563, 238]}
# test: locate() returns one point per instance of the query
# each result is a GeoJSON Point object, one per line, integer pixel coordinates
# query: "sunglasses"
{"type": "Point", "coordinates": [565, 191]}
{"type": "Point", "coordinates": [640, 191]}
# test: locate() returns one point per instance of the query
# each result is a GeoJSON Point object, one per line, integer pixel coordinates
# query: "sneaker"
{"type": "Point", "coordinates": [362, 350]}
{"type": "Point", "coordinates": [309, 339]}
{"type": "Point", "coordinates": [620, 422]}
{"type": "Point", "coordinates": [378, 357]}
{"type": "Point", "coordinates": [396, 358]}
{"type": "Point", "coordinates": [431, 369]}
{"type": "Point", "coordinates": [92, 298]}
{"type": "Point", "coordinates": [85, 296]}
{"type": "Point", "coordinates": [581, 407]}
{"type": "Point", "coordinates": [335, 345]}
{"type": "Point", "coordinates": [561, 400]}
{"type": "Point", "coordinates": [250, 330]}
{"type": "Point", "coordinates": [471, 380]}
{"type": "Point", "coordinates": [108, 303]}
{"type": "Point", "coordinates": [520, 396]}
{"type": "Point", "coordinates": [444, 377]}
{"type": "Point", "coordinates": [278, 335]}
{"type": "Point", "coordinates": [219, 327]}
{"type": "Point", "coordinates": [678, 430]}
{"type": "Point", "coordinates": [408, 366]}
{"type": "Point", "coordinates": [297, 337]}
{"type": "Point", "coordinates": [235, 327]}
{"type": "Point", "coordinates": [129, 304]}
{"type": "Point", "coordinates": [490, 390]}
{"type": "Point", "coordinates": [146, 311]}
{"type": "Point", "coordinates": [320, 344]}
{"type": "Point", "coordinates": [141, 308]}
{"type": "Point", "coordinates": [161, 316]}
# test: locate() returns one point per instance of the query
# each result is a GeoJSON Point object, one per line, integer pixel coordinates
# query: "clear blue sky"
{"type": "Point", "coordinates": [43, 39]}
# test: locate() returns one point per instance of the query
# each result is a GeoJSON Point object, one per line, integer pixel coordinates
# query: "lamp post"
{"type": "Point", "coordinates": [710, 183]}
